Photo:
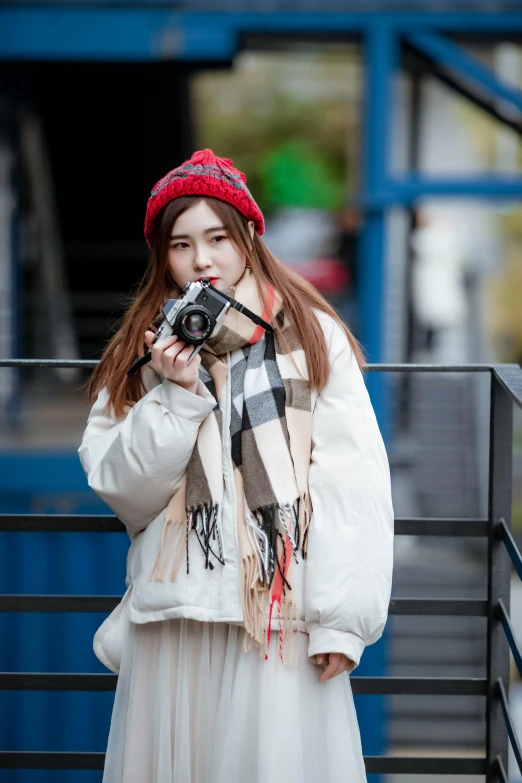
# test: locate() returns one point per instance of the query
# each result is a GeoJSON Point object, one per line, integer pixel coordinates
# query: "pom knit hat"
{"type": "Point", "coordinates": [203, 175]}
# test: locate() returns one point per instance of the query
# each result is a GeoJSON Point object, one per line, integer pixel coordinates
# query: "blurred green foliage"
{"type": "Point", "coordinates": [294, 174]}
{"type": "Point", "coordinates": [288, 122]}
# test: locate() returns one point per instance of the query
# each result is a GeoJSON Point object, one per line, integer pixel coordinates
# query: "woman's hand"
{"type": "Point", "coordinates": [170, 356]}
{"type": "Point", "coordinates": [334, 663]}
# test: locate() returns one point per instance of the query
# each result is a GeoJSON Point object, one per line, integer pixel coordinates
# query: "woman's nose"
{"type": "Point", "coordinates": [202, 260]}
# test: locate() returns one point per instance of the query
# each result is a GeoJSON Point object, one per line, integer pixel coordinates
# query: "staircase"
{"type": "Point", "coordinates": [444, 482]}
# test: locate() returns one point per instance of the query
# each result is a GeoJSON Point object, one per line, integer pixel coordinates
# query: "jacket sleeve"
{"type": "Point", "coordinates": [135, 464]}
{"type": "Point", "coordinates": [348, 570]}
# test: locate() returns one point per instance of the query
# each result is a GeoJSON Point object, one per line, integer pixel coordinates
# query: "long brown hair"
{"type": "Point", "coordinates": [157, 285]}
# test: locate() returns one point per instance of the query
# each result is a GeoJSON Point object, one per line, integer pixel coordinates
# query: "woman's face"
{"type": "Point", "coordinates": [200, 247]}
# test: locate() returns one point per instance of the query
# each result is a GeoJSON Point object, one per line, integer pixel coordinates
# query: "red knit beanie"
{"type": "Point", "coordinates": [203, 175]}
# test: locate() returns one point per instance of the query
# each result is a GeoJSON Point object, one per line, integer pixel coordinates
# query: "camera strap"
{"type": "Point", "coordinates": [139, 362]}
{"type": "Point", "coordinates": [245, 311]}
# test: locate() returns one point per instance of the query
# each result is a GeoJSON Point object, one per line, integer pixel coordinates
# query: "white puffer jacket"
{"type": "Point", "coordinates": [135, 465]}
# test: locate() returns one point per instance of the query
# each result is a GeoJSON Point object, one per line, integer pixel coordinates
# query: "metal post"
{"type": "Point", "coordinates": [407, 381]}
{"type": "Point", "coordinates": [499, 570]}
{"type": "Point", "coordinates": [381, 56]}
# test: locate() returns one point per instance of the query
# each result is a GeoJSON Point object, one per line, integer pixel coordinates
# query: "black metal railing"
{"type": "Point", "coordinates": [506, 389]}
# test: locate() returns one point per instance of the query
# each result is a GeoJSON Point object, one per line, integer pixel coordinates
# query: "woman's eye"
{"type": "Point", "coordinates": [218, 238]}
{"type": "Point", "coordinates": [179, 245]}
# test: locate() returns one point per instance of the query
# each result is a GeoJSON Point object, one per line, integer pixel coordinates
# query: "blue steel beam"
{"type": "Point", "coordinates": [420, 6]}
{"type": "Point", "coordinates": [114, 35]}
{"type": "Point", "coordinates": [141, 32]}
{"type": "Point", "coordinates": [402, 7]}
{"type": "Point", "coordinates": [381, 57]}
{"type": "Point", "coordinates": [408, 189]}
{"type": "Point", "coordinates": [451, 56]}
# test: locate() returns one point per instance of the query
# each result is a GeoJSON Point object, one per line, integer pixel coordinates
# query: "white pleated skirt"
{"type": "Point", "coordinates": [192, 707]}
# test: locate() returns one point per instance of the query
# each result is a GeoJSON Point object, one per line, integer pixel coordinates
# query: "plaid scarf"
{"type": "Point", "coordinates": [270, 437]}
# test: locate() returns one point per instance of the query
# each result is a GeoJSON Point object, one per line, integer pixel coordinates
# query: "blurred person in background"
{"type": "Point", "coordinates": [349, 223]}
{"type": "Point", "coordinates": [255, 488]}
{"type": "Point", "coordinates": [439, 274]}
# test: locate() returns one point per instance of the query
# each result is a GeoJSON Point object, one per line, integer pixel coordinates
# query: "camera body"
{"type": "Point", "coordinates": [195, 316]}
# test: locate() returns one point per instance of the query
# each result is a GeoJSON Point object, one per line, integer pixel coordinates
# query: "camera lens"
{"type": "Point", "coordinates": [195, 325]}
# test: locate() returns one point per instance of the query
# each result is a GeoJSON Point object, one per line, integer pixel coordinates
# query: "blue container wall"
{"type": "Point", "coordinates": [54, 563]}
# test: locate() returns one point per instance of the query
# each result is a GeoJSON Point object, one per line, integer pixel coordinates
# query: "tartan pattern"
{"type": "Point", "coordinates": [257, 391]}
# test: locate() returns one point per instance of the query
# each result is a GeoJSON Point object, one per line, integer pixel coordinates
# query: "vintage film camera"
{"type": "Point", "coordinates": [195, 316]}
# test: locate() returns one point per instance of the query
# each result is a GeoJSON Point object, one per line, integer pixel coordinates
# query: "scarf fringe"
{"type": "Point", "coordinates": [205, 521]}
{"type": "Point", "coordinates": [305, 515]}
{"type": "Point", "coordinates": [269, 527]}
{"type": "Point", "coordinates": [255, 605]}
{"type": "Point", "coordinates": [173, 539]}
{"type": "Point", "coordinates": [277, 532]}
{"type": "Point", "coordinates": [258, 628]}
{"type": "Point", "coordinates": [288, 648]}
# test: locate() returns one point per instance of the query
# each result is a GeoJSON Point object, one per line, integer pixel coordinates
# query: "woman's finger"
{"type": "Point", "coordinates": [162, 345]}
{"type": "Point", "coordinates": [158, 348]}
{"type": "Point", "coordinates": [343, 665]}
{"type": "Point", "coordinates": [338, 663]}
{"type": "Point", "coordinates": [333, 665]}
{"type": "Point", "coordinates": [171, 354]}
{"type": "Point", "coordinates": [185, 354]}
{"type": "Point", "coordinates": [149, 336]}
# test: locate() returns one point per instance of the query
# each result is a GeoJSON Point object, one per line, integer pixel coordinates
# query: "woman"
{"type": "Point", "coordinates": [255, 488]}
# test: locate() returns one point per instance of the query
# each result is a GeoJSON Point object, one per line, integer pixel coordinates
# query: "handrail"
{"type": "Point", "coordinates": [508, 375]}
{"type": "Point", "coordinates": [108, 523]}
{"type": "Point", "coordinates": [408, 765]}
{"type": "Point", "coordinates": [502, 774]}
{"type": "Point", "coordinates": [510, 378]}
{"type": "Point", "coordinates": [385, 366]}
{"type": "Point", "coordinates": [429, 607]}
{"type": "Point", "coordinates": [510, 634]}
{"type": "Point", "coordinates": [504, 533]}
{"type": "Point", "coordinates": [515, 744]}
{"type": "Point", "coordinates": [361, 685]}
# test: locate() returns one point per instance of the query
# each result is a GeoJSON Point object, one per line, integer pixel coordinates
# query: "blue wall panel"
{"type": "Point", "coordinates": [54, 563]}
